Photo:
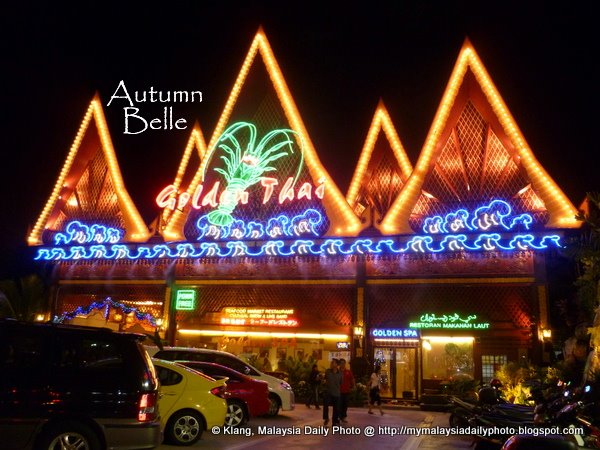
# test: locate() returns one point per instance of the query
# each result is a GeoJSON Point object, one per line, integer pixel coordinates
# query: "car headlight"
{"type": "Point", "coordinates": [285, 385]}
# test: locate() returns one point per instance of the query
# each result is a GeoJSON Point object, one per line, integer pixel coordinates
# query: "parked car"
{"type": "Point", "coordinates": [190, 402]}
{"type": "Point", "coordinates": [280, 392]}
{"type": "Point", "coordinates": [246, 397]}
{"type": "Point", "coordinates": [67, 386]}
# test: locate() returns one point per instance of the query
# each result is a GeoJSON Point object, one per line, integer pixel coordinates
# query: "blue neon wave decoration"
{"type": "Point", "coordinates": [496, 215]}
{"type": "Point", "coordinates": [305, 224]}
{"type": "Point", "coordinates": [75, 231]}
{"type": "Point", "coordinates": [424, 244]}
{"type": "Point", "coordinates": [288, 236]}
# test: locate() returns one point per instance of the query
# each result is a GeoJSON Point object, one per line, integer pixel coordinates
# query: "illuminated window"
{"type": "Point", "coordinates": [490, 364]}
{"type": "Point", "coordinates": [445, 358]}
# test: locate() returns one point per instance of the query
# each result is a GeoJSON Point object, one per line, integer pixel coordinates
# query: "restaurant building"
{"type": "Point", "coordinates": [431, 271]}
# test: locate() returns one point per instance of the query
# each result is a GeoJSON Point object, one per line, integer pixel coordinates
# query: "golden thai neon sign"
{"type": "Point", "coordinates": [215, 196]}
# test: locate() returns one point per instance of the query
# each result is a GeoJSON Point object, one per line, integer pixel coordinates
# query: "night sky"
{"type": "Point", "coordinates": [338, 60]}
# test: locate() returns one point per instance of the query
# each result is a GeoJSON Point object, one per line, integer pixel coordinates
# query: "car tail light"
{"type": "Point", "coordinates": [148, 410]}
{"type": "Point", "coordinates": [219, 391]}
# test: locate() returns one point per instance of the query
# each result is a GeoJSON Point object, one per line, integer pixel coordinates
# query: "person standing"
{"type": "Point", "coordinates": [314, 382]}
{"type": "Point", "coordinates": [333, 383]}
{"type": "Point", "coordinates": [345, 388]}
{"type": "Point", "coordinates": [374, 388]}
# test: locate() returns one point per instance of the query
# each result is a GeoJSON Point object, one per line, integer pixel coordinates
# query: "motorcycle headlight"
{"type": "Point", "coordinates": [285, 385]}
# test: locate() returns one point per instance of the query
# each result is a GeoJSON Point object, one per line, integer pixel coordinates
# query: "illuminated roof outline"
{"type": "Point", "coordinates": [135, 227]}
{"type": "Point", "coordinates": [195, 142]}
{"type": "Point", "coordinates": [561, 211]}
{"type": "Point", "coordinates": [381, 123]}
{"type": "Point", "coordinates": [342, 218]}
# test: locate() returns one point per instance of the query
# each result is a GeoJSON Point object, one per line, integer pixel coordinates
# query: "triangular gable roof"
{"type": "Point", "coordinates": [343, 220]}
{"type": "Point", "coordinates": [92, 132]}
{"type": "Point", "coordinates": [195, 145]}
{"type": "Point", "coordinates": [560, 210]}
{"type": "Point", "coordinates": [365, 168]}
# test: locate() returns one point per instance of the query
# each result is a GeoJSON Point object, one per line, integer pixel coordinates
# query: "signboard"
{"type": "Point", "coordinates": [185, 300]}
{"type": "Point", "coordinates": [395, 333]}
{"type": "Point", "coordinates": [254, 185]}
{"type": "Point", "coordinates": [342, 345]}
{"type": "Point", "coordinates": [449, 321]}
{"type": "Point", "coordinates": [270, 317]}
{"type": "Point", "coordinates": [339, 355]}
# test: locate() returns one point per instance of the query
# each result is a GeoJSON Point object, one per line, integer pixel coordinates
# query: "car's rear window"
{"type": "Point", "coordinates": [219, 358]}
{"type": "Point", "coordinates": [195, 372]}
{"type": "Point", "coordinates": [23, 349]}
{"type": "Point", "coordinates": [90, 354]}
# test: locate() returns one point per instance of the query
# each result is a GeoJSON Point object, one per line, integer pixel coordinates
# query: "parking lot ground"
{"type": "Point", "coordinates": [303, 428]}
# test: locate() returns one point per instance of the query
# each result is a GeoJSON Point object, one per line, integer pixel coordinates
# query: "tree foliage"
{"type": "Point", "coordinates": [27, 295]}
{"type": "Point", "coordinates": [585, 251]}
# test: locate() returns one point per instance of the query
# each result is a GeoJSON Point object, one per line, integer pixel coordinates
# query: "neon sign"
{"type": "Point", "coordinates": [301, 247]}
{"type": "Point", "coordinates": [215, 197]}
{"type": "Point", "coordinates": [185, 300]}
{"type": "Point", "coordinates": [258, 317]}
{"type": "Point", "coordinates": [245, 161]}
{"type": "Point", "coordinates": [76, 231]}
{"type": "Point", "coordinates": [495, 215]}
{"type": "Point", "coordinates": [449, 321]}
{"type": "Point", "coordinates": [295, 230]}
{"type": "Point", "coordinates": [280, 226]}
{"type": "Point", "coordinates": [394, 333]}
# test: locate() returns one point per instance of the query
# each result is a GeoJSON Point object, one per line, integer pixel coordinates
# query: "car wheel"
{"type": "Point", "coordinates": [456, 421]}
{"type": "Point", "coordinates": [184, 428]}
{"type": "Point", "coordinates": [274, 405]}
{"type": "Point", "coordinates": [69, 434]}
{"type": "Point", "coordinates": [236, 414]}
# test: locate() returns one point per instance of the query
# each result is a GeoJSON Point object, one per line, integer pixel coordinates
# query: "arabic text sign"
{"type": "Point", "coordinates": [449, 321]}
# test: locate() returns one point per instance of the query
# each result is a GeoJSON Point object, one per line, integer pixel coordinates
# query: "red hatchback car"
{"type": "Point", "coordinates": [246, 397]}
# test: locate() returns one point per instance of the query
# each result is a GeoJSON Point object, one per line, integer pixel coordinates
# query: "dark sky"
{"type": "Point", "coordinates": [337, 58]}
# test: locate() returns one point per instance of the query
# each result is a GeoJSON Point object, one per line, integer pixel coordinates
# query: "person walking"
{"type": "Point", "coordinates": [314, 383]}
{"type": "Point", "coordinates": [345, 388]}
{"type": "Point", "coordinates": [333, 382]}
{"type": "Point", "coordinates": [374, 388]}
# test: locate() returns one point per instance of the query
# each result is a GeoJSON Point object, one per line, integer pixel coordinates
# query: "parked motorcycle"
{"type": "Point", "coordinates": [489, 402]}
{"type": "Point", "coordinates": [572, 415]}
{"type": "Point", "coordinates": [568, 411]}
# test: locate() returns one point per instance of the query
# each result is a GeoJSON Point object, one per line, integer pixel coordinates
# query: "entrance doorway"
{"type": "Point", "coordinates": [398, 371]}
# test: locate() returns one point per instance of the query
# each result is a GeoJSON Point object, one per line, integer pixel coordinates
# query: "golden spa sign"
{"type": "Point", "coordinates": [269, 317]}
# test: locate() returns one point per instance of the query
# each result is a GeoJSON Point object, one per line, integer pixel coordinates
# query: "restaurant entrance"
{"type": "Point", "coordinates": [399, 371]}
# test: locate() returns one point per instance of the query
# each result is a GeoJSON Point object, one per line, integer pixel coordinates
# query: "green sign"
{"type": "Point", "coordinates": [185, 300]}
{"type": "Point", "coordinates": [449, 321]}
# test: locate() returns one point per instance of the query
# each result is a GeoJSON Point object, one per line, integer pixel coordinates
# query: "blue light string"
{"type": "Point", "coordinates": [105, 305]}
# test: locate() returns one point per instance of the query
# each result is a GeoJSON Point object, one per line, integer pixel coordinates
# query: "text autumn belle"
{"type": "Point", "coordinates": [152, 96]}
{"type": "Point", "coordinates": [168, 196]}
